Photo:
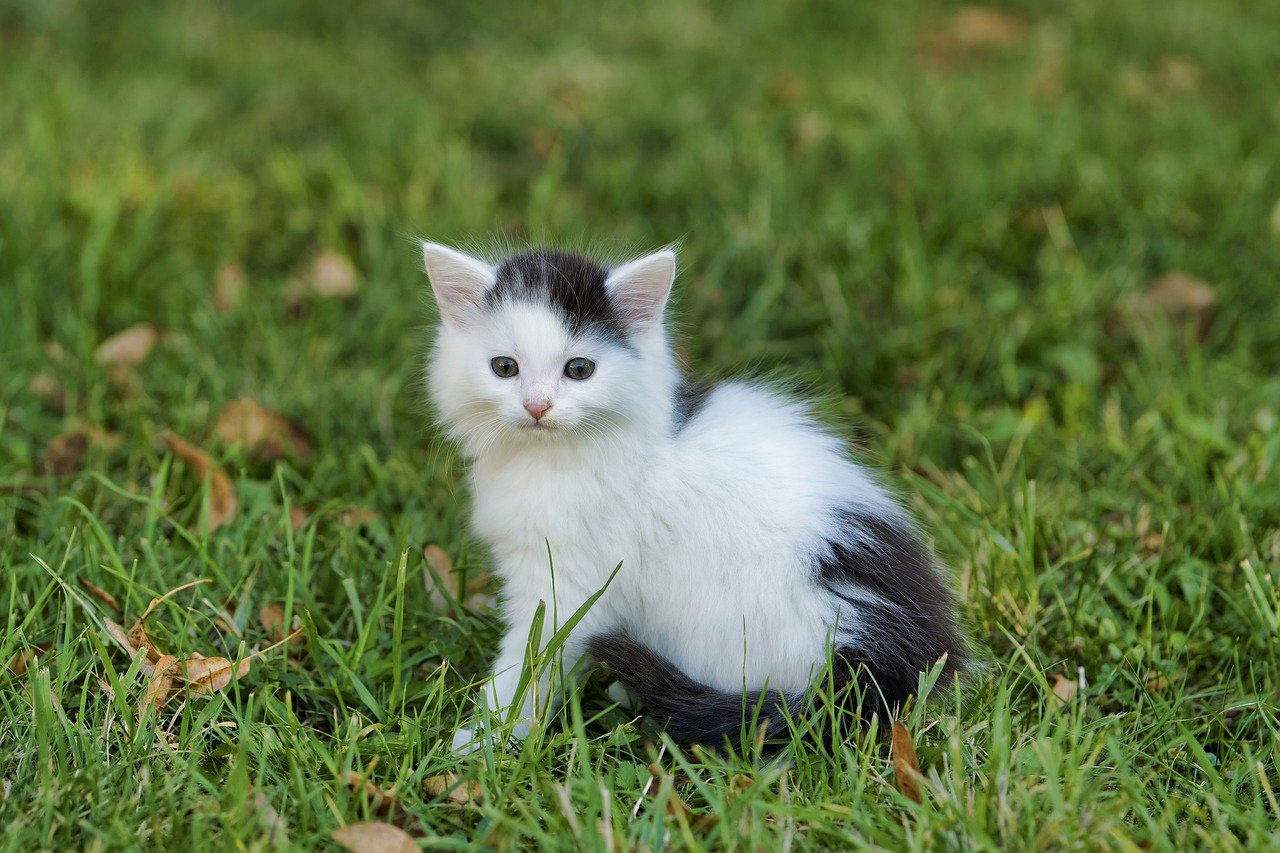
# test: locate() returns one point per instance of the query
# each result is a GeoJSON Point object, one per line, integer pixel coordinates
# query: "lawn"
{"type": "Point", "coordinates": [1027, 256]}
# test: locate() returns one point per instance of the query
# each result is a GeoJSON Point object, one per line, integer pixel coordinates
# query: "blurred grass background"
{"type": "Point", "coordinates": [1029, 251]}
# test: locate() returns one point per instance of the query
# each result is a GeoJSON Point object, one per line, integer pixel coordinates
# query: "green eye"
{"type": "Point", "coordinates": [504, 366]}
{"type": "Point", "coordinates": [579, 368]}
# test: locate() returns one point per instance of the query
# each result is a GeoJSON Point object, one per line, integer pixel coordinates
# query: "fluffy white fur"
{"type": "Point", "coordinates": [717, 524]}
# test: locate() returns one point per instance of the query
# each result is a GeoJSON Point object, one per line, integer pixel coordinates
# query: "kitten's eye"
{"type": "Point", "coordinates": [579, 368]}
{"type": "Point", "coordinates": [504, 366]}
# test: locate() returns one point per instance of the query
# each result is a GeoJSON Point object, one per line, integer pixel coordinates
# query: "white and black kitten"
{"type": "Point", "coordinates": [751, 546]}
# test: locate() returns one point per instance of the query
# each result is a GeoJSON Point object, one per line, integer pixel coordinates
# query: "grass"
{"type": "Point", "coordinates": [946, 223]}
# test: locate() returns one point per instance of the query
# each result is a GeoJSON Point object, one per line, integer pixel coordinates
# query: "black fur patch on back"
{"type": "Point", "coordinates": [569, 283]}
{"type": "Point", "coordinates": [690, 398]}
{"type": "Point", "coordinates": [913, 627]}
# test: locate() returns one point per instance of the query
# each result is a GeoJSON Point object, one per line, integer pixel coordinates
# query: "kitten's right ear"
{"type": "Point", "coordinates": [458, 280]}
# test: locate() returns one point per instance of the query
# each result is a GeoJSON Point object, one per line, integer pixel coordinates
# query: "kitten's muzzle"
{"type": "Point", "coordinates": [537, 410]}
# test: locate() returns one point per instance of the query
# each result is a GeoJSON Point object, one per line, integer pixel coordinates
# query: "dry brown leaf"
{"type": "Point", "coordinates": [222, 496]}
{"type": "Point", "coordinates": [100, 593]}
{"type": "Point", "coordinates": [139, 639]}
{"type": "Point", "coordinates": [23, 660]}
{"type": "Point", "coordinates": [46, 386]}
{"type": "Point", "coordinates": [229, 284]}
{"type": "Point", "coordinates": [442, 564]}
{"type": "Point", "coordinates": [136, 638]}
{"type": "Point", "coordinates": [460, 792]}
{"type": "Point", "coordinates": [270, 435]}
{"type": "Point", "coordinates": [117, 633]}
{"type": "Point", "coordinates": [298, 516]}
{"type": "Point", "coordinates": [128, 348]}
{"type": "Point", "coordinates": [375, 837]}
{"type": "Point", "coordinates": [1156, 683]}
{"type": "Point", "coordinates": [383, 803]}
{"type": "Point", "coordinates": [354, 516]}
{"type": "Point", "coordinates": [63, 453]}
{"type": "Point", "coordinates": [1180, 295]}
{"type": "Point", "coordinates": [1065, 689]}
{"type": "Point", "coordinates": [18, 663]}
{"type": "Point", "coordinates": [984, 27]}
{"type": "Point", "coordinates": [1177, 75]}
{"type": "Point", "coordinates": [211, 675]}
{"type": "Point", "coordinates": [809, 130]}
{"type": "Point", "coordinates": [271, 617]}
{"type": "Point", "coordinates": [906, 767]}
{"type": "Point", "coordinates": [160, 685]}
{"type": "Point", "coordinates": [330, 275]}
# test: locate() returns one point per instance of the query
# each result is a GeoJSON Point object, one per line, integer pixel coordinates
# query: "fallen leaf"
{"type": "Point", "coordinates": [906, 767]}
{"type": "Point", "coordinates": [460, 793]}
{"type": "Point", "coordinates": [128, 348]}
{"type": "Point", "coordinates": [984, 27]}
{"type": "Point", "coordinates": [383, 803]}
{"type": "Point", "coordinates": [271, 617]}
{"type": "Point", "coordinates": [374, 837]}
{"type": "Point", "coordinates": [330, 275]}
{"type": "Point", "coordinates": [354, 516]}
{"type": "Point", "coordinates": [441, 564]}
{"type": "Point", "coordinates": [298, 516]}
{"type": "Point", "coordinates": [23, 660]}
{"type": "Point", "coordinates": [139, 639]}
{"type": "Point", "coordinates": [1179, 293]}
{"type": "Point", "coordinates": [1156, 683]}
{"type": "Point", "coordinates": [1177, 75]}
{"type": "Point", "coordinates": [809, 130]}
{"type": "Point", "coordinates": [971, 32]}
{"type": "Point", "coordinates": [271, 436]}
{"type": "Point", "coordinates": [229, 282]}
{"type": "Point", "coordinates": [211, 675]}
{"type": "Point", "coordinates": [160, 685]}
{"type": "Point", "coordinates": [136, 640]}
{"type": "Point", "coordinates": [63, 453]}
{"type": "Point", "coordinates": [45, 386]}
{"type": "Point", "coordinates": [1065, 688]}
{"type": "Point", "coordinates": [1182, 297]}
{"type": "Point", "coordinates": [222, 496]}
{"type": "Point", "coordinates": [100, 593]}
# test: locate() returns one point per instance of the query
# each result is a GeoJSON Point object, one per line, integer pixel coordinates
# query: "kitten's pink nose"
{"type": "Point", "coordinates": [537, 409]}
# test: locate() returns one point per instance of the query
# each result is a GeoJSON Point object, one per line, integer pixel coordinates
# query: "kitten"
{"type": "Point", "coordinates": [750, 544]}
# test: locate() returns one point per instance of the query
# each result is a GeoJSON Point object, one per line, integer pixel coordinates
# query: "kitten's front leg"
{"type": "Point", "coordinates": [541, 696]}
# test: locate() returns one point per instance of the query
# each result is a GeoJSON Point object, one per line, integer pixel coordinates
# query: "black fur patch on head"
{"type": "Point", "coordinates": [570, 284]}
{"type": "Point", "coordinates": [913, 623]}
{"type": "Point", "coordinates": [690, 398]}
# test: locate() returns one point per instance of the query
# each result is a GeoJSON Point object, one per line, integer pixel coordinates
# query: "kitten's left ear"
{"type": "Point", "coordinates": [641, 287]}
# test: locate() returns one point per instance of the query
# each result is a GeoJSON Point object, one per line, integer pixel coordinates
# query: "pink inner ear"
{"type": "Point", "coordinates": [640, 288]}
{"type": "Point", "coordinates": [458, 280]}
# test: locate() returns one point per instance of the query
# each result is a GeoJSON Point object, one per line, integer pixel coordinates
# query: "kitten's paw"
{"type": "Point", "coordinates": [620, 694]}
{"type": "Point", "coordinates": [467, 740]}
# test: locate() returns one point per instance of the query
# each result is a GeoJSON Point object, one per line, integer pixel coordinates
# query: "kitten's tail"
{"type": "Point", "coordinates": [694, 712]}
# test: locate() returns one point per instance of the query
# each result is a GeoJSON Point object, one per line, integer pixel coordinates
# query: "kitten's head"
{"type": "Point", "coordinates": [548, 345]}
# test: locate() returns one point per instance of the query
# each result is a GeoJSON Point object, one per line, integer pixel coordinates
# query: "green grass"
{"type": "Point", "coordinates": [951, 243]}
